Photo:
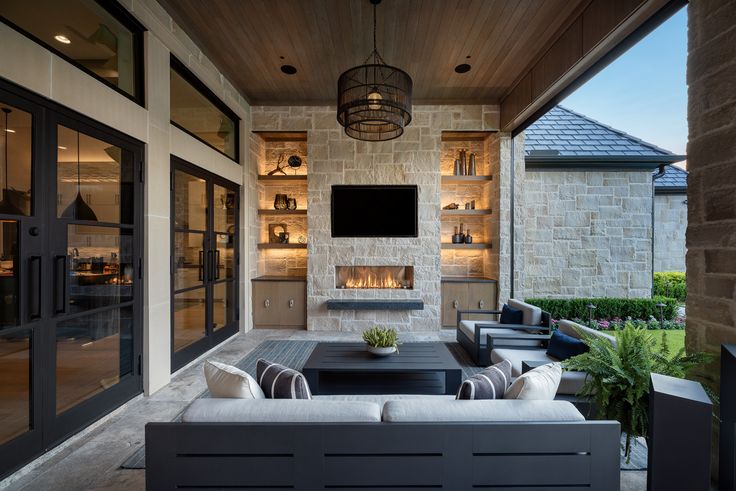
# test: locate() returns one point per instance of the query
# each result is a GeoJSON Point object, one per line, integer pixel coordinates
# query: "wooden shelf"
{"type": "Point", "coordinates": [466, 179]}
{"type": "Point", "coordinates": [466, 246]}
{"type": "Point", "coordinates": [461, 136]}
{"type": "Point", "coordinates": [282, 178]}
{"type": "Point", "coordinates": [282, 246]}
{"type": "Point", "coordinates": [282, 136]}
{"type": "Point", "coordinates": [462, 212]}
{"type": "Point", "coordinates": [282, 212]}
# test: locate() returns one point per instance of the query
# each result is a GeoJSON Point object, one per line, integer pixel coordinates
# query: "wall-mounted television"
{"type": "Point", "coordinates": [374, 211]}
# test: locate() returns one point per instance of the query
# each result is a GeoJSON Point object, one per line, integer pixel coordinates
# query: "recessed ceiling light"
{"type": "Point", "coordinates": [288, 69]}
{"type": "Point", "coordinates": [62, 39]}
{"type": "Point", "coordinates": [9, 130]}
{"type": "Point", "coordinates": [62, 147]}
{"type": "Point", "coordinates": [464, 68]}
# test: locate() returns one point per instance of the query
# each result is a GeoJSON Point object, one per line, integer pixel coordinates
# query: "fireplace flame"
{"type": "Point", "coordinates": [373, 278]}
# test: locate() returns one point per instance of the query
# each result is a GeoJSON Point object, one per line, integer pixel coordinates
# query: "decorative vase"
{"type": "Point", "coordinates": [376, 351]}
{"type": "Point", "coordinates": [279, 202]}
{"type": "Point", "coordinates": [471, 165]}
{"type": "Point", "coordinates": [291, 203]}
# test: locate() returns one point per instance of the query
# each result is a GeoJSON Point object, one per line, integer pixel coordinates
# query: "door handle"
{"type": "Point", "coordinates": [217, 264]}
{"type": "Point", "coordinates": [34, 300]}
{"type": "Point", "coordinates": [210, 266]}
{"type": "Point", "coordinates": [201, 266]}
{"type": "Point", "coordinates": [481, 304]}
{"type": "Point", "coordinates": [267, 303]}
{"type": "Point", "coordinates": [60, 267]}
{"type": "Point", "coordinates": [454, 304]}
{"type": "Point", "coordinates": [291, 303]}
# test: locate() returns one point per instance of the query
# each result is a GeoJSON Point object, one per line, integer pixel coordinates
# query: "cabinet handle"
{"type": "Point", "coordinates": [267, 303]}
{"type": "Point", "coordinates": [291, 303]}
{"type": "Point", "coordinates": [480, 304]}
{"type": "Point", "coordinates": [454, 304]}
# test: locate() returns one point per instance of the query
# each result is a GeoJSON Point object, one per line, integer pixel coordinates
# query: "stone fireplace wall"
{"type": "Point", "coordinates": [336, 159]}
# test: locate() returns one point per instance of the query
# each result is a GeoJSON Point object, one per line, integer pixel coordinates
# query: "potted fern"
{"type": "Point", "coordinates": [381, 341]}
{"type": "Point", "coordinates": [618, 381]}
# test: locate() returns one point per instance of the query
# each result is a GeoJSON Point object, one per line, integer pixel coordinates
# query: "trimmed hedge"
{"type": "Point", "coordinates": [670, 284]}
{"type": "Point", "coordinates": [607, 308]}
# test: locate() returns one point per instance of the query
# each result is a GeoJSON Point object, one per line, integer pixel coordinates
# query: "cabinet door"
{"type": "Point", "coordinates": [454, 298]}
{"type": "Point", "coordinates": [292, 304]}
{"type": "Point", "coordinates": [265, 298]}
{"type": "Point", "coordinates": [482, 296]}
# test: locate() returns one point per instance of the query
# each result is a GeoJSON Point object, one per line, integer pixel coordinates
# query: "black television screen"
{"type": "Point", "coordinates": [374, 211]}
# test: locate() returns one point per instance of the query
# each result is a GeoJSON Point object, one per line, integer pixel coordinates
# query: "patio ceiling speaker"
{"type": "Point", "coordinates": [374, 99]}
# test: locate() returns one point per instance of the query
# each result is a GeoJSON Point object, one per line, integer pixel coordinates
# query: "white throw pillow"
{"type": "Point", "coordinates": [230, 382]}
{"type": "Point", "coordinates": [540, 383]}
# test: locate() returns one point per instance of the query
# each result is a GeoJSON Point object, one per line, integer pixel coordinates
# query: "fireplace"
{"type": "Point", "coordinates": [374, 277]}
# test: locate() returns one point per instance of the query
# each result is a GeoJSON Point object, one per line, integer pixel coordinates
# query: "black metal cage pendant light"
{"type": "Point", "coordinates": [374, 99]}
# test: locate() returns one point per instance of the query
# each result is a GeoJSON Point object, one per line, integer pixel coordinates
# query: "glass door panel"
{"type": "Point", "coordinates": [190, 204]}
{"type": "Point", "coordinates": [92, 354]}
{"type": "Point", "coordinates": [190, 317]}
{"type": "Point", "coordinates": [225, 206]}
{"type": "Point", "coordinates": [223, 305]}
{"type": "Point", "coordinates": [94, 179]}
{"type": "Point", "coordinates": [15, 160]}
{"type": "Point", "coordinates": [15, 384]}
{"type": "Point", "coordinates": [224, 256]}
{"type": "Point", "coordinates": [188, 260]}
{"type": "Point", "coordinates": [9, 273]}
{"type": "Point", "coordinates": [100, 266]}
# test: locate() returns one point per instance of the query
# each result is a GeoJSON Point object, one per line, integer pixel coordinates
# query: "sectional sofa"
{"type": "Point", "coordinates": [382, 442]}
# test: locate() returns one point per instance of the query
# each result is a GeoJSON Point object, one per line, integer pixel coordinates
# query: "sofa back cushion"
{"type": "Point", "coordinates": [532, 315]}
{"type": "Point", "coordinates": [417, 411]}
{"type": "Point", "coordinates": [574, 329]}
{"type": "Point", "coordinates": [561, 346]}
{"type": "Point", "coordinates": [280, 382]}
{"type": "Point", "coordinates": [280, 411]}
{"type": "Point", "coordinates": [490, 383]}
{"type": "Point", "coordinates": [228, 381]}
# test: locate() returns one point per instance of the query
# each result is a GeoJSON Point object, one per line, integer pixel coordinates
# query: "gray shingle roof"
{"type": "Point", "coordinates": [673, 180]}
{"type": "Point", "coordinates": [565, 133]}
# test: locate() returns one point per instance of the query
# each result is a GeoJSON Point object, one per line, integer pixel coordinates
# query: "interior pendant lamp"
{"type": "Point", "coordinates": [6, 206]}
{"type": "Point", "coordinates": [374, 99]}
{"type": "Point", "coordinates": [79, 209]}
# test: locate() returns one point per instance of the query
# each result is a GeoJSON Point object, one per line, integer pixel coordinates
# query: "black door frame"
{"type": "Point", "coordinates": [47, 429]}
{"type": "Point", "coordinates": [211, 338]}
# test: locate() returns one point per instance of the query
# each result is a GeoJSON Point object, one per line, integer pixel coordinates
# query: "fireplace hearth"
{"type": "Point", "coordinates": [374, 277]}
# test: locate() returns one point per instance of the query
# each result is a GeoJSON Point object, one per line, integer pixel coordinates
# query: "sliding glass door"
{"type": "Point", "coordinates": [70, 250]}
{"type": "Point", "coordinates": [204, 233]}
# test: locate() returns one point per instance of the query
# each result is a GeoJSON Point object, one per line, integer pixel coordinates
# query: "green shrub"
{"type": "Point", "coordinates": [670, 284]}
{"type": "Point", "coordinates": [607, 308]}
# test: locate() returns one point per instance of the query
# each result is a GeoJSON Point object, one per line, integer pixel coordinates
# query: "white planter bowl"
{"type": "Point", "coordinates": [381, 351]}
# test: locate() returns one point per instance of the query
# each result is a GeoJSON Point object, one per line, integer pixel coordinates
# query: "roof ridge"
{"type": "Point", "coordinates": [617, 131]}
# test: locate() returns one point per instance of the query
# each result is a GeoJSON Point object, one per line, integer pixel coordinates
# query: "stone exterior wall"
{"type": "Point", "coordinates": [670, 223]}
{"type": "Point", "coordinates": [711, 231]}
{"type": "Point", "coordinates": [336, 159]}
{"type": "Point", "coordinates": [588, 234]}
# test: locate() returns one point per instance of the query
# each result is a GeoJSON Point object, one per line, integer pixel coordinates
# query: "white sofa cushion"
{"type": "Point", "coordinates": [532, 313]}
{"type": "Point", "coordinates": [574, 329]}
{"type": "Point", "coordinates": [571, 382]}
{"type": "Point", "coordinates": [540, 383]}
{"type": "Point", "coordinates": [468, 328]}
{"type": "Point", "coordinates": [416, 411]}
{"type": "Point", "coordinates": [280, 411]}
{"type": "Point", "coordinates": [229, 381]}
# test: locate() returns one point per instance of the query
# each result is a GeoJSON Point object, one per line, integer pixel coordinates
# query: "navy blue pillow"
{"type": "Point", "coordinates": [562, 346]}
{"type": "Point", "coordinates": [510, 315]}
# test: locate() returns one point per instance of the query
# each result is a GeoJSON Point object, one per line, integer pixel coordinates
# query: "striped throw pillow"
{"type": "Point", "coordinates": [491, 383]}
{"type": "Point", "coordinates": [280, 382]}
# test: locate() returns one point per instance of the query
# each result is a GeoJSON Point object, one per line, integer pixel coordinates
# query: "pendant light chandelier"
{"type": "Point", "coordinates": [78, 209]}
{"type": "Point", "coordinates": [374, 99]}
{"type": "Point", "coordinates": [6, 206]}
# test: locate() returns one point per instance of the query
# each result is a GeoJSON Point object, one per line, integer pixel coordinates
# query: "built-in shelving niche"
{"type": "Point", "coordinates": [277, 259]}
{"type": "Point", "coordinates": [479, 259]}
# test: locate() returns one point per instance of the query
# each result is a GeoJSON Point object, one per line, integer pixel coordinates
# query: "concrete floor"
{"type": "Point", "coordinates": [91, 460]}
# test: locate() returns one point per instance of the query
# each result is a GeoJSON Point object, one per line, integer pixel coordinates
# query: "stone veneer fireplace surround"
{"type": "Point", "coordinates": [413, 159]}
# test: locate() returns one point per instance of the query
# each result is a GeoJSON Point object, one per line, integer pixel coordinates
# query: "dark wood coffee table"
{"type": "Point", "coordinates": [348, 368]}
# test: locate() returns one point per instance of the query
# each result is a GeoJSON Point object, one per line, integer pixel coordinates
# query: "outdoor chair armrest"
{"type": "Point", "coordinates": [493, 339]}
{"type": "Point", "coordinates": [519, 327]}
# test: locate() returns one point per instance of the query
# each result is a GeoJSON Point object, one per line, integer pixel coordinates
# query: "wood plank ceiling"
{"type": "Point", "coordinates": [500, 39]}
